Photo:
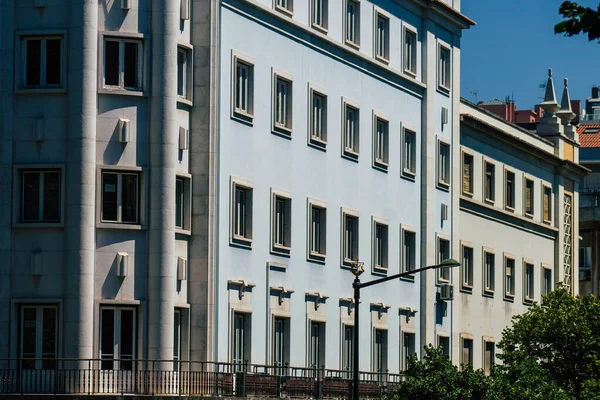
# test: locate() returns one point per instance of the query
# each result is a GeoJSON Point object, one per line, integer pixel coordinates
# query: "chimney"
{"type": "Point", "coordinates": [539, 111]}
{"type": "Point", "coordinates": [595, 92]}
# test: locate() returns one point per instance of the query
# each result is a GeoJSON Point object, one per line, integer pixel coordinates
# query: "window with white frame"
{"type": "Point", "coordinates": [380, 351]}
{"type": "Point", "coordinates": [184, 71]}
{"type": "Point", "coordinates": [38, 336]}
{"type": "Point", "coordinates": [120, 197]}
{"type": "Point", "coordinates": [443, 253]}
{"type": "Point", "coordinates": [466, 358]}
{"type": "Point", "coordinates": [281, 341]}
{"type": "Point", "coordinates": [350, 129]}
{"type": "Point", "coordinates": [409, 251]}
{"type": "Point", "coordinates": [444, 63]}
{"type": "Point", "coordinates": [118, 337]}
{"type": "Point", "coordinates": [547, 280]}
{"type": "Point", "coordinates": [382, 37]}
{"type": "Point", "coordinates": [281, 223]}
{"type": "Point", "coordinates": [243, 88]}
{"type": "Point", "coordinates": [489, 356]}
{"type": "Point", "coordinates": [241, 339]}
{"type": "Point", "coordinates": [467, 174]}
{"type": "Point", "coordinates": [349, 237]}
{"type": "Point", "coordinates": [467, 268]}
{"type": "Point", "coordinates": [316, 344]}
{"type": "Point", "coordinates": [489, 182]}
{"type": "Point", "coordinates": [282, 104]}
{"type": "Point", "coordinates": [40, 195]}
{"type": "Point", "coordinates": [380, 245]}
{"type": "Point", "coordinates": [318, 118]}
{"type": "Point", "coordinates": [352, 22]}
{"type": "Point", "coordinates": [123, 63]}
{"type": "Point", "coordinates": [409, 152]}
{"type": "Point", "coordinates": [317, 231]}
{"type": "Point", "coordinates": [489, 270]}
{"type": "Point", "coordinates": [241, 213]}
{"type": "Point", "coordinates": [43, 62]}
{"type": "Point", "coordinates": [509, 278]}
{"type": "Point", "coordinates": [443, 162]}
{"type": "Point", "coordinates": [381, 142]}
{"type": "Point", "coordinates": [182, 203]}
{"type": "Point", "coordinates": [547, 203]}
{"type": "Point", "coordinates": [347, 347]}
{"type": "Point", "coordinates": [528, 282]}
{"type": "Point", "coordinates": [509, 190]}
{"type": "Point", "coordinates": [285, 6]}
{"type": "Point", "coordinates": [408, 348]}
{"type": "Point", "coordinates": [529, 197]}
{"type": "Point", "coordinates": [410, 51]}
{"type": "Point", "coordinates": [319, 14]}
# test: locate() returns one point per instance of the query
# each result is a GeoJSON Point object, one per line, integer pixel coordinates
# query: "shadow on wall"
{"type": "Point", "coordinates": [113, 14]}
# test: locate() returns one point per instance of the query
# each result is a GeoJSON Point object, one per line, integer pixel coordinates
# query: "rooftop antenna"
{"type": "Point", "coordinates": [474, 93]}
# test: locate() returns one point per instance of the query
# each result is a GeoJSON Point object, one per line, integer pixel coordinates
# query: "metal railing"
{"type": "Point", "coordinates": [184, 378]}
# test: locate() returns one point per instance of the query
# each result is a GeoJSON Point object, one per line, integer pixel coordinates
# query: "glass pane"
{"type": "Point", "coordinates": [51, 196]}
{"type": "Point", "coordinates": [109, 196]}
{"type": "Point", "coordinates": [177, 335]}
{"type": "Point", "coordinates": [181, 73]}
{"type": "Point", "coordinates": [111, 63]}
{"type": "Point", "coordinates": [107, 337]}
{"type": "Point", "coordinates": [34, 60]}
{"type": "Point", "coordinates": [28, 333]}
{"type": "Point", "coordinates": [179, 203]}
{"type": "Point", "coordinates": [130, 65]}
{"type": "Point", "coordinates": [53, 61]}
{"type": "Point", "coordinates": [49, 333]}
{"type": "Point", "coordinates": [129, 206]}
{"type": "Point", "coordinates": [31, 196]}
{"type": "Point", "coordinates": [127, 339]}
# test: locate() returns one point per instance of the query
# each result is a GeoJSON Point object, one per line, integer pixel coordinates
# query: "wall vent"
{"type": "Point", "coordinates": [124, 130]}
{"type": "Point", "coordinates": [444, 115]}
{"type": "Point", "coordinates": [184, 138]}
{"type": "Point", "coordinates": [122, 264]}
{"type": "Point", "coordinates": [185, 9]}
{"type": "Point", "coordinates": [39, 129]}
{"type": "Point", "coordinates": [36, 267]}
{"type": "Point", "coordinates": [126, 4]}
{"type": "Point", "coordinates": [181, 269]}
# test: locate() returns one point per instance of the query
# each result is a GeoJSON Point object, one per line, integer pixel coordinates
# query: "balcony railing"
{"type": "Point", "coordinates": [184, 378]}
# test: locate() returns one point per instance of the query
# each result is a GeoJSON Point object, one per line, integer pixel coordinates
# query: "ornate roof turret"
{"type": "Point", "coordinates": [549, 104]}
{"type": "Point", "coordinates": [566, 113]}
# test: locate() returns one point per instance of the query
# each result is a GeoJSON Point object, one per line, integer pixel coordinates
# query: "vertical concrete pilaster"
{"type": "Point", "coordinates": [81, 178]}
{"type": "Point", "coordinates": [162, 171]}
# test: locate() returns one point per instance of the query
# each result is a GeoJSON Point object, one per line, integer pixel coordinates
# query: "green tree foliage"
{"type": "Point", "coordinates": [578, 19]}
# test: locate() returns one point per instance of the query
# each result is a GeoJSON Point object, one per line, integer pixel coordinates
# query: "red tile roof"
{"type": "Point", "coordinates": [589, 135]}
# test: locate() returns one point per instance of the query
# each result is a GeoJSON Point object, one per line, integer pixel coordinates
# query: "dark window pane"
{"type": "Point", "coordinates": [49, 333]}
{"type": "Point", "coordinates": [29, 333]}
{"type": "Point", "coordinates": [180, 73]}
{"type": "Point", "coordinates": [51, 196]}
{"type": "Point", "coordinates": [53, 62]}
{"type": "Point", "coordinates": [111, 63]}
{"type": "Point", "coordinates": [31, 196]}
{"type": "Point", "coordinates": [109, 197]}
{"type": "Point", "coordinates": [131, 65]}
{"type": "Point", "coordinates": [127, 339]}
{"type": "Point", "coordinates": [107, 338]}
{"type": "Point", "coordinates": [129, 198]}
{"type": "Point", "coordinates": [34, 60]}
{"type": "Point", "coordinates": [179, 203]}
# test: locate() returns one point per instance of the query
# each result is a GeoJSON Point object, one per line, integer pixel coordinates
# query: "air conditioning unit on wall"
{"type": "Point", "coordinates": [446, 293]}
{"type": "Point", "coordinates": [126, 4]}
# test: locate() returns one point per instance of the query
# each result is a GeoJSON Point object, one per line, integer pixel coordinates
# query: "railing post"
{"type": "Point", "coordinates": [244, 374]}
{"type": "Point", "coordinates": [320, 378]}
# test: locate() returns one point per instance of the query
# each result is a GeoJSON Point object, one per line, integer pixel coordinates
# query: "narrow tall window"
{"type": "Point", "coordinates": [409, 153]}
{"type": "Point", "coordinates": [443, 254]}
{"type": "Point", "coordinates": [122, 63]}
{"type": "Point", "coordinates": [117, 337]}
{"type": "Point", "coordinates": [43, 62]}
{"type": "Point", "coordinates": [467, 268]}
{"type": "Point", "coordinates": [381, 143]}
{"type": "Point", "coordinates": [509, 190]}
{"type": "Point", "coordinates": [319, 12]}
{"type": "Point", "coordinates": [547, 282]}
{"type": "Point", "coordinates": [509, 278]}
{"type": "Point", "coordinates": [350, 238]}
{"type": "Point", "coordinates": [529, 197]}
{"type": "Point", "coordinates": [489, 269]}
{"type": "Point", "coordinates": [352, 22]}
{"type": "Point", "coordinates": [443, 164]}
{"type": "Point", "coordinates": [179, 203]}
{"type": "Point", "coordinates": [176, 339]}
{"type": "Point", "coordinates": [547, 204]}
{"type": "Point", "coordinates": [490, 182]}
{"type": "Point", "coordinates": [317, 344]}
{"type": "Point", "coordinates": [282, 105]}
{"type": "Point", "coordinates": [241, 339]}
{"type": "Point", "coordinates": [241, 214]}
{"type": "Point", "coordinates": [243, 89]}
{"type": "Point", "coordinates": [41, 196]}
{"type": "Point", "coordinates": [317, 229]}
{"type": "Point", "coordinates": [409, 253]}
{"type": "Point", "coordinates": [281, 341]}
{"type": "Point", "coordinates": [350, 131]}
{"type": "Point", "coordinates": [380, 346]}
{"type": "Point", "coordinates": [529, 285]}
{"type": "Point", "coordinates": [467, 352]}
{"type": "Point", "coordinates": [281, 224]}
{"type": "Point", "coordinates": [382, 37]}
{"type": "Point", "coordinates": [286, 6]}
{"type": "Point", "coordinates": [444, 68]}
{"type": "Point", "coordinates": [318, 119]}
{"type": "Point", "coordinates": [408, 348]}
{"type": "Point", "coordinates": [467, 174]}
{"type": "Point", "coordinates": [444, 343]}
{"type": "Point", "coordinates": [182, 72]}
{"type": "Point", "coordinates": [38, 334]}
{"type": "Point", "coordinates": [489, 356]}
{"type": "Point", "coordinates": [410, 51]}
{"type": "Point", "coordinates": [120, 197]}
{"type": "Point", "coordinates": [380, 246]}
{"type": "Point", "coordinates": [348, 348]}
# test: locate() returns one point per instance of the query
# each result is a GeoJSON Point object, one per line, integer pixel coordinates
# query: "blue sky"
{"type": "Point", "coordinates": [512, 46]}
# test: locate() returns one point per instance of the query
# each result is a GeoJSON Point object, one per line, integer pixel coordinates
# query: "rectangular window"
{"type": "Point", "coordinates": [408, 348]}
{"type": "Point", "coordinates": [317, 229]}
{"type": "Point", "coordinates": [489, 356]}
{"type": "Point", "coordinates": [117, 337]}
{"type": "Point", "coordinates": [509, 278]}
{"type": "Point", "coordinates": [467, 174]}
{"type": "Point", "coordinates": [120, 197]}
{"type": "Point", "coordinates": [177, 323]}
{"type": "Point", "coordinates": [242, 325]}
{"type": "Point", "coordinates": [349, 238]}
{"type": "Point", "coordinates": [490, 182]}
{"type": "Point", "coordinates": [380, 347]}
{"type": "Point", "coordinates": [184, 61]}
{"type": "Point", "coordinates": [410, 51]}
{"type": "Point", "coordinates": [467, 268]}
{"type": "Point", "coordinates": [352, 22]}
{"type": "Point", "coordinates": [43, 62]}
{"type": "Point", "coordinates": [243, 88]}
{"type": "Point", "coordinates": [547, 282]}
{"type": "Point", "coordinates": [443, 254]}
{"type": "Point", "coordinates": [382, 37]}
{"type": "Point", "coordinates": [282, 105]}
{"type": "Point", "coordinates": [182, 203]}
{"type": "Point", "coordinates": [281, 223]}
{"type": "Point", "coordinates": [123, 63]}
{"type": "Point", "coordinates": [316, 344]}
{"type": "Point", "coordinates": [347, 348]}
{"type": "Point", "coordinates": [318, 118]}
{"type": "Point", "coordinates": [287, 6]}
{"type": "Point", "coordinates": [529, 197]}
{"type": "Point", "coordinates": [41, 196]}
{"type": "Point", "coordinates": [467, 352]}
{"type": "Point", "coordinates": [443, 164]}
{"type": "Point", "coordinates": [489, 270]}
{"type": "Point", "coordinates": [380, 246]}
{"type": "Point", "coordinates": [319, 11]}
{"type": "Point", "coordinates": [38, 336]}
{"type": "Point", "coordinates": [281, 341]}
{"type": "Point", "coordinates": [409, 253]}
{"type": "Point", "coordinates": [509, 190]}
{"type": "Point", "coordinates": [350, 131]}
{"type": "Point", "coordinates": [381, 142]}
{"type": "Point", "coordinates": [547, 204]}
{"type": "Point", "coordinates": [444, 78]}
{"type": "Point", "coordinates": [241, 214]}
{"type": "Point", "coordinates": [529, 283]}
{"type": "Point", "coordinates": [444, 343]}
{"type": "Point", "coordinates": [409, 150]}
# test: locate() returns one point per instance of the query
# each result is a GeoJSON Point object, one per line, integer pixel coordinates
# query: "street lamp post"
{"type": "Point", "coordinates": [357, 269]}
